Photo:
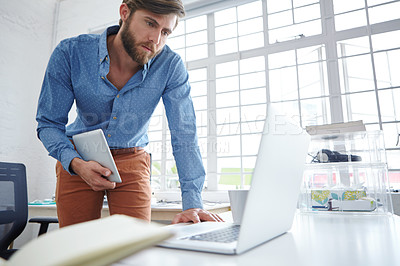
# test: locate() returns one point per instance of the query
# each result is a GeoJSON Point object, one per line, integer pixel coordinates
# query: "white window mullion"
{"type": "Point", "coordinates": [373, 65]}
{"type": "Point", "coordinates": [328, 30]}
{"type": "Point", "coordinates": [163, 179]}
{"type": "Point", "coordinates": [212, 168]}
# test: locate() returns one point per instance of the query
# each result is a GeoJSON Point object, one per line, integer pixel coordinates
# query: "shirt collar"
{"type": "Point", "coordinates": [103, 51]}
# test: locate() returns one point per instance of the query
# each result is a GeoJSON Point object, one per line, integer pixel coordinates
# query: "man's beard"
{"type": "Point", "coordinates": [134, 49]}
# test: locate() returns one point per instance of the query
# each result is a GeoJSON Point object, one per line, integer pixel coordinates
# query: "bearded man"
{"type": "Point", "coordinates": [116, 80]}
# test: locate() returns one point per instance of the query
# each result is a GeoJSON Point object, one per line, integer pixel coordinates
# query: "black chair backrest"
{"type": "Point", "coordinates": [13, 202]}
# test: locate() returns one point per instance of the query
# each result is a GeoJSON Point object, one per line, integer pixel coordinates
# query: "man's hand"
{"type": "Point", "coordinates": [196, 216]}
{"type": "Point", "coordinates": [92, 173]}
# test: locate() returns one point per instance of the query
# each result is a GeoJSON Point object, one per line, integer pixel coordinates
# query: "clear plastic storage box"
{"type": "Point", "coordinates": [346, 173]}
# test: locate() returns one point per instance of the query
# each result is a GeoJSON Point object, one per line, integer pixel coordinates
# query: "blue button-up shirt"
{"type": "Point", "coordinates": [78, 70]}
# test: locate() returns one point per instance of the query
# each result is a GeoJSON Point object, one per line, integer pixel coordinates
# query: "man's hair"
{"type": "Point", "coordinates": [161, 7]}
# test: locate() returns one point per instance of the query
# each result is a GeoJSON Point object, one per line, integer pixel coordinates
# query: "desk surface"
{"type": "Point", "coordinates": [313, 240]}
{"type": "Point", "coordinates": [159, 211]}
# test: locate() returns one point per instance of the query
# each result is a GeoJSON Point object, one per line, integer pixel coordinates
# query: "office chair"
{"type": "Point", "coordinates": [14, 206]}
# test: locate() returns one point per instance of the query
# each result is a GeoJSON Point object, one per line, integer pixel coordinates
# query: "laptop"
{"type": "Point", "coordinates": [272, 199]}
{"type": "Point", "coordinates": [93, 146]}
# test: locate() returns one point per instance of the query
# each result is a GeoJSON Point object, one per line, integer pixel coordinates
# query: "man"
{"type": "Point", "coordinates": [116, 80]}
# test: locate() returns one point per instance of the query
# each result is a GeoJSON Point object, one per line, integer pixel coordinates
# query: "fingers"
{"type": "Point", "coordinates": [209, 216]}
{"type": "Point", "coordinates": [93, 174]}
{"type": "Point", "coordinates": [196, 216]}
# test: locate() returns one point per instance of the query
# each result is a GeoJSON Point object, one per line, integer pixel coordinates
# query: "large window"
{"type": "Point", "coordinates": [321, 61]}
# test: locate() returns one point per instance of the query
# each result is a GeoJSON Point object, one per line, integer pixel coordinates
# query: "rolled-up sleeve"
{"type": "Point", "coordinates": [182, 124]}
{"type": "Point", "coordinates": [55, 101]}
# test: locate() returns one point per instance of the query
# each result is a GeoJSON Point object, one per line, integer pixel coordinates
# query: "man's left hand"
{"type": "Point", "coordinates": [196, 216]}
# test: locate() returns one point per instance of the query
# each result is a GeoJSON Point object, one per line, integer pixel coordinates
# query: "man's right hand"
{"type": "Point", "coordinates": [92, 173]}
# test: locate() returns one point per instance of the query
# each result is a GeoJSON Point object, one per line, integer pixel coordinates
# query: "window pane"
{"type": "Point", "coordinates": [298, 3]}
{"type": "Point", "coordinates": [230, 181]}
{"type": "Point", "coordinates": [227, 69]}
{"type": "Point", "coordinates": [253, 112]}
{"type": "Point", "coordinates": [156, 123]}
{"type": "Point", "coordinates": [311, 54]}
{"type": "Point", "coordinates": [250, 10]}
{"type": "Point", "coordinates": [312, 80]}
{"type": "Point", "coordinates": [282, 59]}
{"type": "Point", "coordinates": [283, 84]}
{"type": "Point", "coordinates": [228, 129]}
{"type": "Point", "coordinates": [253, 80]}
{"type": "Point", "coordinates": [384, 13]}
{"type": "Point", "coordinates": [227, 84]}
{"type": "Point", "coordinates": [226, 32]}
{"type": "Point", "coordinates": [360, 106]}
{"type": "Point", "coordinates": [226, 47]}
{"type": "Point", "coordinates": [201, 118]}
{"type": "Point", "coordinates": [198, 88]}
{"type": "Point", "coordinates": [350, 20]}
{"type": "Point", "coordinates": [353, 47]}
{"type": "Point", "coordinates": [253, 96]}
{"type": "Point", "coordinates": [387, 68]}
{"type": "Point", "coordinates": [356, 74]}
{"type": "Point", "coordinates": [280, 19]}
{"type": "Point", "coordinates": [385, 41]}
{"type": "Point", "coordinates": [250, 144]}
{"type": "Point", "coordinates": [203, 144]}
{"type": "Point", "coordinates": [198, 75]}
{"type": "Point", "coordinates": [295, 31]}
{"type": "Point", "coordinates": [291, 108]}
{"type": "Point", "coordinates": [177, 42]}
{"type": "Point", "coordinates": [315, 112]}
{"type": "Point", "coordinates": [275, 6]}
{"type": "Point", "coordinates": [179, 30]}
{"type": "Point", "coordinates": [224, 163]}
{"type": "Point", "coordinates": [196, 52]}
{"type": "Point", "coordinates": [307, 13]}
{"type": "Point", "coordinates": [225, 16]}
{"type": "Point", "coordinates": [227, 99]}
{"type": "Point", "coordinates": [228, 146]}
{"type": "Point", "coordinates": [393, 159]}
{"type": "Point", "coordinates": [200, 103]}
{"type": "Point", "coordinates": [252, 127]}
{"type": "Point", "coordinates": [196, 38]}
{"type": "Point", "coordinates": [155, 135]}
{"type": "Point", "coordinates": [251, 41]}
{"type": "Point", "coordinates": [391, 134]}
{"type": "Point", "coordinates": [390, 104]}
{"type": "Point", "coordinates": [228, 115]}
{"type": "Point", "coordinates": [340, 6]}
{"type": "Point", "coordinates": [252, 64]}
{"type": "Point", "coordinates": [250, 26]}
{"type": "Point", "coordinates": [196, 24]}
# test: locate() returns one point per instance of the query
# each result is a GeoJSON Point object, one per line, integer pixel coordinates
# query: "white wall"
{"type": "Point", "coordinates": [26, 28]}
{"type": "Point", "coordinates": [30, 29]}
{"type": "Point", "coordinates": [79, 17]}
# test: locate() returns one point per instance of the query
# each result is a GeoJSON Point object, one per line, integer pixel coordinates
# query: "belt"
{"type": "Point", "coordinates": [126, 150]}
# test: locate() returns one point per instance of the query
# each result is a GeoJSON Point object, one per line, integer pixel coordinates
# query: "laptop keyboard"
{"type": "Point", "coordinates": [226, 235]}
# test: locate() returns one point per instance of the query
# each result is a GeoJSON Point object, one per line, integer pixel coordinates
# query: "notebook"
{"type": "Point", "coordinates": [272, 199]}
{"type": "Point", "coordinates": [93, 146]}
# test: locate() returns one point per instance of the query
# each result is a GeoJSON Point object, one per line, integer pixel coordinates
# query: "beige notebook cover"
{"type": "Point", "coordinates": [98, 242]}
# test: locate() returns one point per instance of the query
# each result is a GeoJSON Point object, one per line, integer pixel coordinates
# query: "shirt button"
{"type": "Point", "coordinates": [114, 117]}
{"type": "Point", "coordinates": [106, 58]}
{"type": "Point", "coordinates": [102, 77]}
{"type": "Point", "coordinates": [109, 135]}
{"type": "Point", "coordinates": [118, 96]}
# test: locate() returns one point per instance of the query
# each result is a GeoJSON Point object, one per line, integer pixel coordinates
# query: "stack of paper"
{"type": "Point", "coordinates": [98, 242]}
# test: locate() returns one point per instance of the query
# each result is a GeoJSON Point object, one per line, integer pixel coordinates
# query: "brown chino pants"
{"type": "Point", "coordinates": [77, 202]}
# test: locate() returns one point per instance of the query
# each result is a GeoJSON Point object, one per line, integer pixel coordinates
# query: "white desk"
{"type": "Point", "coordinates": [320, 239]}
{"type": "Point", "coordinates": [159, 212]}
